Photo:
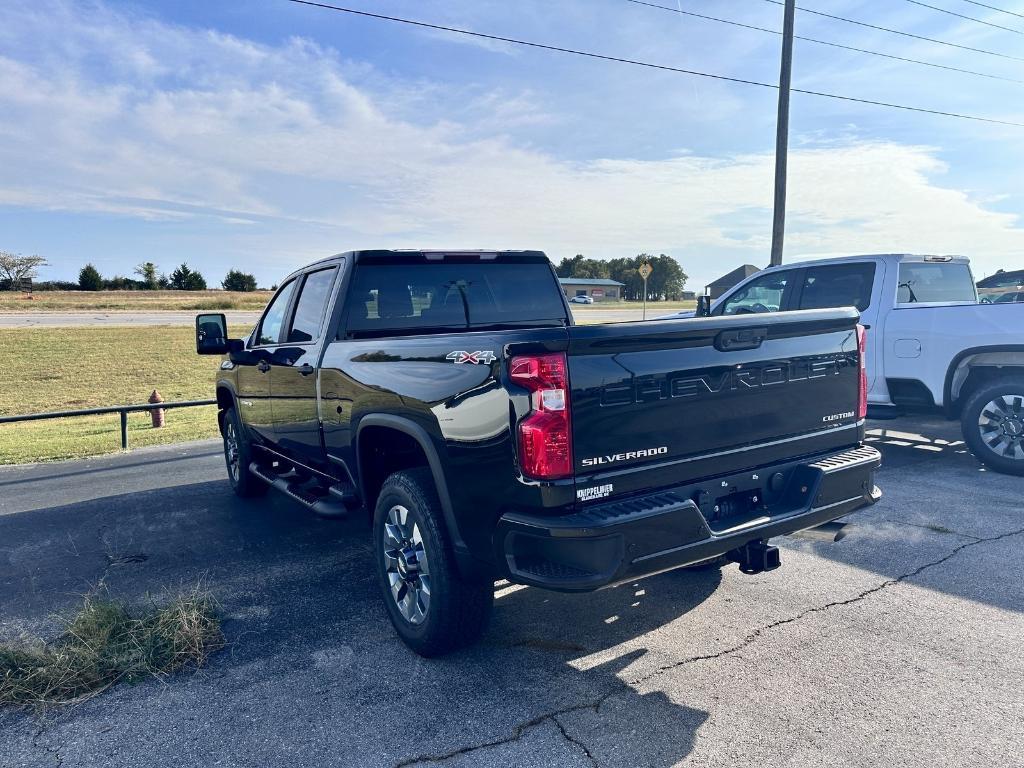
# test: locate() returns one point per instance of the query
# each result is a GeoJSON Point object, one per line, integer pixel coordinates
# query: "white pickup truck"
{"type": "Point", "coordinates": [931, 344]}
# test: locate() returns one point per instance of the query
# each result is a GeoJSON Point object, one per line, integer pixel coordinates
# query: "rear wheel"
{"type": "Point", "coordinates": [993, 424]}
{"type": "Point", "coordinates": [238, 456]}
{"type": "Point", "coordinates": [432, 607]}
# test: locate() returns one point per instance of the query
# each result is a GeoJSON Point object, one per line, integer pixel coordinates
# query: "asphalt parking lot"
{"type": "Point", "coordinates": [900, 644]}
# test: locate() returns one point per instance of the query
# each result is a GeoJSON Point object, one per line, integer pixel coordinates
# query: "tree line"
{"type": "Point", "coordinates": [666, 282]}
{"type": "Point", "coordinates": [18, 272]}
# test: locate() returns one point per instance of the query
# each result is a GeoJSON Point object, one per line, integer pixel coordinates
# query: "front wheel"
{"type": "Point", "coordinates": [433, 608]}
{"type": "Point", "coordinates": [237, 457]}
{"type": "Point", "coordinates": [993, 424]}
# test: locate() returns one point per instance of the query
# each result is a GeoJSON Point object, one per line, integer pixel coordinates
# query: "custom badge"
{"type": "Point", "coordinates": [485, 356]}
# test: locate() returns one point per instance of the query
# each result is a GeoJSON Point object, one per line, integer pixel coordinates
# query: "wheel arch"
{"type": "Point", "coordinates": [225, 400]}
{"type": "Point", "coordinates": [964, 371]}
{"type": "Point", "coordinates": [374, 426]}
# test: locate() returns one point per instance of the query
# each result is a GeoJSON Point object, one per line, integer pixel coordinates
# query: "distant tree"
{"type": "Point", "coordinates": [667, 280]}
{"type": "Point", "coordinates": [185, 279]}
{"type": "Point", "coordinates": [15, 268]}
{"type": "Point", "coordinates": [236, 280]}
{"type": "Point", "coordinates": [163, 282]}
{"type": "Point", "coordinates": [147, 271]}
{"type": "Point", "coordinates": [580, 266]}
{"type": "Point", "coordinates": [89, 279]}
{"type": "Point", "coordinates": [121, 283]}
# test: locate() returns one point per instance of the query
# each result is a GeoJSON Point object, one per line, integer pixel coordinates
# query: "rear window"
{"type": "Point", "coordinates": [400, 297]}
{"type": "Point", "coordinates": [925, 283]}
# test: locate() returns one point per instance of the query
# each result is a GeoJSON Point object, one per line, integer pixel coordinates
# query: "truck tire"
{"type": "Point", "coordinates": [993, 424]}
{"type": "Point", "coordinates": [433, 608]}
{"type": "Point", "coordinates": [238, 456]}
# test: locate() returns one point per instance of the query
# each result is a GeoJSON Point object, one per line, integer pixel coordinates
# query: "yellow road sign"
{"type": "Point", "coordinates": [645, 270]}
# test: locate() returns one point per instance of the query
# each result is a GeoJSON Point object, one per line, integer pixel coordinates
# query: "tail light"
{"type": "Point", "coordinates": [545, 437]}
{"type": "Point", "coordinates": [862, 349]}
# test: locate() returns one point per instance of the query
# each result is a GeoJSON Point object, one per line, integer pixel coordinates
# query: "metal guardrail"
{"type": "Point", "coordinates": [123, 410]}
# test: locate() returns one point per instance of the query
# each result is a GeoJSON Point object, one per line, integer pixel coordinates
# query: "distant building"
{"type": "Point", "coordinates": [598, 290]}
{"type": "Point", "coordinates": [1002, 282]}
{"type": "Point", "coordinates": [725, 282]}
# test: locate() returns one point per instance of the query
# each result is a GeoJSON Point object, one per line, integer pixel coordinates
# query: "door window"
{"type": "Point", "coordinates": [309, 311]}
{"type": "Point", "coordinates": [762, 294]}
{"type": "Point", "coordinates": [269, 331]}
{"type": "Point", "coordinates": [842, 285]}
{"type": "Point", "coordinates": [924, 282]}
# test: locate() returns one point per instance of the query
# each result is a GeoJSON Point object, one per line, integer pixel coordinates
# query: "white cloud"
{"type": "Point", "coordinates": [132, 117]}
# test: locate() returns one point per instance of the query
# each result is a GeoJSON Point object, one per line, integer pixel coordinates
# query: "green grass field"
{"type": "Point", "coordinates": [53, 369]}
{"type": "Point", "coordinates": [138, 301]}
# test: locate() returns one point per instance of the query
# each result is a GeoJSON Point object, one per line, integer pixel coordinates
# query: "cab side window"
{"type": "Point", "coordinates": [269, 331]}
{"type": "Point", "coordinates": [310, 308]}
{"type": "Point", "coordinates": [844, 285]}
{"type": "Point", "coordinates": [762, 294]}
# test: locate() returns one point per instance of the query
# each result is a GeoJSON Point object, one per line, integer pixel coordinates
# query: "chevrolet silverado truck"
{"type": "Point", "coordinates": [450, 398]}
{"type": "Point", "coordinates": [932, 346]}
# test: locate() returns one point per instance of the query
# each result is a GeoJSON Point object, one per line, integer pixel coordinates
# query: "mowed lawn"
{"type": "Point", "coordinates": [53, 369]}
{"type": "Point", "coordinates": [135, 301]}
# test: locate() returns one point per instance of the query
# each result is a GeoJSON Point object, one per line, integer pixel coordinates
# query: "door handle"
{"type": "Point", "coordinates": [305, 369]}
{"type": "Point", "coordinates": [264, 366]}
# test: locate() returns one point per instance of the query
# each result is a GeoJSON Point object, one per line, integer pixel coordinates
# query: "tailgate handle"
{"type": "Point", "coordinates": [745, 338]}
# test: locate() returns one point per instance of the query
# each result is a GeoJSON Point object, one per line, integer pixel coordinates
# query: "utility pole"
{"type": "Point", "coordinates": [782, 135]}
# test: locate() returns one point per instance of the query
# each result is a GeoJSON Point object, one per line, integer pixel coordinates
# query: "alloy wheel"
{"type": "Point", "coordinates": [407, 566]}
{"type": "Point", "coordinates": [1002, 426]}
{"type": "Point", "coordinates": [232, 451]}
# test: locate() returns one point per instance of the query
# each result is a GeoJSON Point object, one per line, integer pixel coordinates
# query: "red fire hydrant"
{"type": "Point", "coordinates": [157, 414]}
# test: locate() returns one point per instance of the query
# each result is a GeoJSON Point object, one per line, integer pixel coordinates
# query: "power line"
{"type": "Point", "coordinates": [827, 42]}
{"type": "Point", "coordinates": [902, 33]}
{"type": "Point", "coordinates": [993, 8]}
{"type": "Point", "coordinates": [963, 16]}
{"type": "Point", "coordinates": [648, 65]}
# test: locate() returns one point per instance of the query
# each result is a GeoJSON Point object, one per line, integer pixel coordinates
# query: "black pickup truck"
{"type": "Point", "coordinates": [451, 397]}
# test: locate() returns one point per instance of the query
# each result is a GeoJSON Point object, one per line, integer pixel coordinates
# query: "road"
{"type": "Point", "coordinates": [92, 319]}
{"type": "Point", "coordinates": [897, 645]}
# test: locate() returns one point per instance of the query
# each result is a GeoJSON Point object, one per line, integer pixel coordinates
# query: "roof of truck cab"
{"type": "Point", "coordinates": [869, 257]}
{"type": "Point", "coordinates": [433, 254]}
{"type": "Point", "coordinates": [417, 256]}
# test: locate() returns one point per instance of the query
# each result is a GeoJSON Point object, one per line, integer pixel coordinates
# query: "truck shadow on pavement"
{"type": "Point", "coordinates": [313, 667]}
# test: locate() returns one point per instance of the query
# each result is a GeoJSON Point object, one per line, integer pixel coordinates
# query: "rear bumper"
{"type": "Point", "coordinates": [608, 543]}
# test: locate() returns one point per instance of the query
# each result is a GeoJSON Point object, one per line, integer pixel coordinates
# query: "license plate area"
{"type": "Point", "coordinates": [752, 498]}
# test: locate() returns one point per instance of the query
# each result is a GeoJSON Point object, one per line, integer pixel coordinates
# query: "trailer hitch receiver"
{"type": "Point", "coordinates": [756, 557]}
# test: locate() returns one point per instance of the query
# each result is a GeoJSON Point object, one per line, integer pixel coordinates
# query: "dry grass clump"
{"type": "Point", "coordinates": [108, 642]}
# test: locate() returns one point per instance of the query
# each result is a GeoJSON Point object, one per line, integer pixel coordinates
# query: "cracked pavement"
{"type": "Point", "coordinates": [898, 645]}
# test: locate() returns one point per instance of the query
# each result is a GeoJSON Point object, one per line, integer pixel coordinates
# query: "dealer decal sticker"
{"type": "Point", "coordinates": [597, 492]}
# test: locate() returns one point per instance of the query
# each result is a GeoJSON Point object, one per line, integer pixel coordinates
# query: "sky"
{"type": "Point", "coordinates": [262, 136]}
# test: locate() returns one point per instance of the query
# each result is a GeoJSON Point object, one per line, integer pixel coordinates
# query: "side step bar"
{"type": "Point", "coordinates": [339, 501]}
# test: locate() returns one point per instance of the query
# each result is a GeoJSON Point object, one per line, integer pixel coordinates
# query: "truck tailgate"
{"type": "Point", "coordinates": [663, 402]}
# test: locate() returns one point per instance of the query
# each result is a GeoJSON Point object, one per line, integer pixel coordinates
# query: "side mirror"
{"type": "Point", "coordinates": [212, 335]}
{"type": "Point", "coordinates": [703, 306]}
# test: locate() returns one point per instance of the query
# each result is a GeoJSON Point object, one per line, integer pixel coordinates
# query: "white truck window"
{"type": "Point", "coordinates": [763, 294]}
{"type": "Point", "coordinates": [928, 283]}
{"type": "Point", "coordinates": [841, 285]}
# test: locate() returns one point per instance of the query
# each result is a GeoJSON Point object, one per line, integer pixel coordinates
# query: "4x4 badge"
{"type": "Point", "coordinates": [485, 356]}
